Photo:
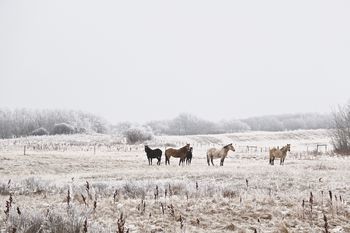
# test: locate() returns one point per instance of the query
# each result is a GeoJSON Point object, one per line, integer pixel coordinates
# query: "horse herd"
{"type": "Point", "coordinates": [185, 154]}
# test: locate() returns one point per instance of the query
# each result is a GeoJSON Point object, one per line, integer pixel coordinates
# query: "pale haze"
{"type": "Point", "coordinates": [147, 60]}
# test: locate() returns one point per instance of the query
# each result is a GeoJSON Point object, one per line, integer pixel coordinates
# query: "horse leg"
{"type": "Point", "coordinates": [208, 160]}
{"type": "Point", "coordinates": [222, 162]}
{"type": "Point", "coordinates": [182, 161]}
{"type": "Point", "coordinates": [212, 161]}
{"type": "Point", "coordinates": [149, 161]}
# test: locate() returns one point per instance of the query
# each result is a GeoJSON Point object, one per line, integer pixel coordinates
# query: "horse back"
{"type": "Point", "coordinates": [213, 152]}
{"type": "Point", "coordinates": [277, 153]}
{"type": "Point", "coordinates": [177, 153]}
{"type": "Point", "coordinates": [158, 152]}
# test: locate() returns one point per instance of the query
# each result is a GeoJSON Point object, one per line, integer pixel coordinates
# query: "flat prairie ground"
{"type": "Point", "coordinates": [309, 193]}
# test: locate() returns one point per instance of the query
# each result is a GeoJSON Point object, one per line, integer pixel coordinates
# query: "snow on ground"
{"type": "Point", "coordinates": [244, 195]}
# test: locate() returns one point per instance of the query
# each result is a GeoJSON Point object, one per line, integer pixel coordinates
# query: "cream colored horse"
{"type": "Point", "coordinates": [214, 153]}
{"type": "Point", "coordinates": [279, 153]}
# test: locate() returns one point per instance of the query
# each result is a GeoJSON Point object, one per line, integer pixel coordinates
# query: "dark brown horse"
{"type": "Point", "coordinates": [176, 153]}
{"type": "Point", "coordinates": [153, 154]}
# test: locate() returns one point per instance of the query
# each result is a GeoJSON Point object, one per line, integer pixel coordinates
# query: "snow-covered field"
{"type": "Point", "coordinates": [245, 195]}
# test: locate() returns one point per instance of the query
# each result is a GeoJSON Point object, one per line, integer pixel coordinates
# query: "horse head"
{"type": "Point", "coordinates": [288, 147]}
{"type": "Point", "coordinates": [187, 147]}
{"type": "Point", "coordinates": [230, 147]}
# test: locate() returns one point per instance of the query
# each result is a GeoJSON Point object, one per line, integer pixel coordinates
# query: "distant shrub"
{"type": "Point", "coordinates": [39, 132]}
{"type": "Point", "coordinates": [138, 135]}
{"type": "Point", "coordinates": [63, 128]}
{"type": "Point", "coordinates": [80, 130]}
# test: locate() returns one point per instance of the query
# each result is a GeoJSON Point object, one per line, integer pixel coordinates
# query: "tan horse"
{"type": "Point", "coordinates": [176, 153]}
{"type": "Point", "coordinates": [279, 153]}
{"type": "Point", "coordinates": [214, 153]}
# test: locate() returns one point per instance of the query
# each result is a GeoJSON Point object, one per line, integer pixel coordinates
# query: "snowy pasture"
{"type": "Point", "coordinates": [83, 183]}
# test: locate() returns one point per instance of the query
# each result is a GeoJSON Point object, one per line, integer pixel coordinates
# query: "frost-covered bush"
{"type": "Point", "coordinates": [138, 135]}
{"type": "Point", "coordinates": [63, 128]}
{"type": "Point", "coordinates": [341, 133]}
{"type": "Point", "coordinates": [39, 132]}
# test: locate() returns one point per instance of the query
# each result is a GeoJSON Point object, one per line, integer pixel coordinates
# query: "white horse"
{"type": "Point", "coordinates": [214, 153]}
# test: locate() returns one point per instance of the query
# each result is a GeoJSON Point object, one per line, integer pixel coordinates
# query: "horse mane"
{"type": "Point", "coordinates": [147, 148]}
{"type": "Point", "coordinates": [284, 149]}
{"type": "Point", "coordinates": [183, 148]}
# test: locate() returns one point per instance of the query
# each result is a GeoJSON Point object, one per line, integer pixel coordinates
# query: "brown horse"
{"type": "Point", "coordinates": [279, 153]}
{"type": "Point", "coordinates": [176, 153]}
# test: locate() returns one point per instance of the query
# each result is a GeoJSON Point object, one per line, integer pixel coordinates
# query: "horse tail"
{"type": "Point", "coordinates": [166, 156]}
{"type": "Point", "coordinates": [271, 155]}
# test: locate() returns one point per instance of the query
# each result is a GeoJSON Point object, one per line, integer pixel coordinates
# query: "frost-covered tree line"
{"type": "Point", "coordinates": [24, 122]}
{"type": "Point", "coordinates": [187, 124]}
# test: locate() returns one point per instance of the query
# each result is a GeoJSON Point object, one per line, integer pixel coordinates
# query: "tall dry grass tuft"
{"type": "Point", "coordinates": [84, 199]}
{"type": "Point", "coordinates": [115, 195]}
{"type": "Point", "coordinates": [120, 223]}
{"type": "Point", "coordinates": [7, 210]}
{"type": "Point", "coordinates": [303, 205]}
{"type": "Point", "coordinates": [95, 205]}
{"type": "Point", "coordinates": [311, 201]}
{"type": "Point", "coordinates": [85, 228]}
{"type": "Point", "coordinates": [142, 207]}
{"type": "Point", "coordinates": [172, 210]}
{"type": "Point", "coordinates": [181, 222]}
{"type": "Point", "coordinates": [10, 200]}
{"type": "Point", "coordinates": [87, 188]}
{"type": "Point", "coordinates": [170, 191]}
{"type": "Point", "coordinates": [325, 223]}
{"type": "Point", "coordinates": [162, 206]}
{"type": "Point", "coordinates": [156, 193]}
{"type": "Point", "coordinates": [68, 198]}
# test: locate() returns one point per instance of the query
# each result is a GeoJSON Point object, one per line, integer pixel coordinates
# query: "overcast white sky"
{"type": "Point", "coordinates": [143, 60]}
